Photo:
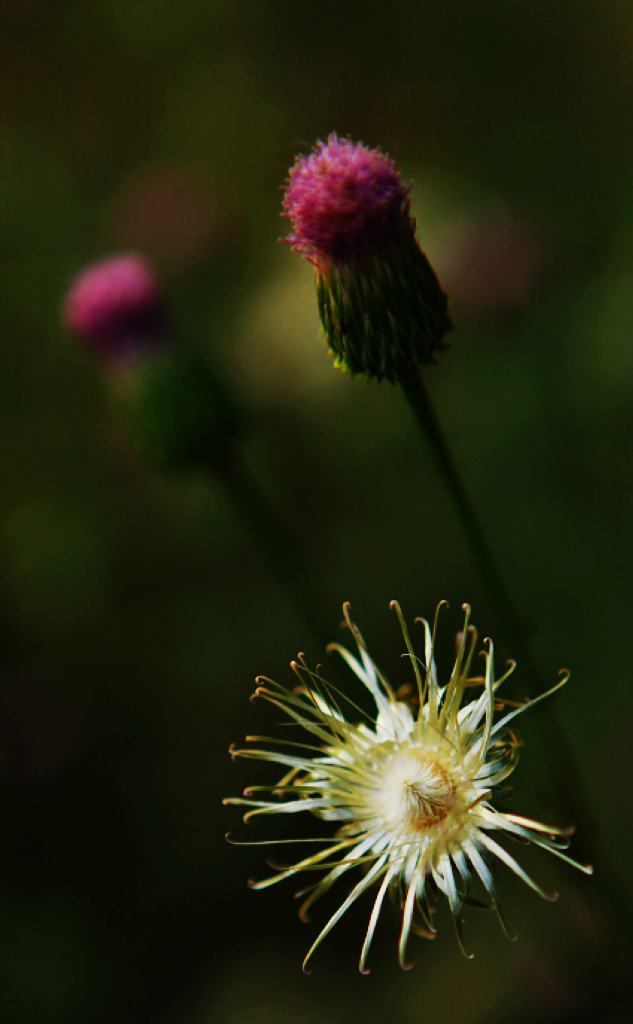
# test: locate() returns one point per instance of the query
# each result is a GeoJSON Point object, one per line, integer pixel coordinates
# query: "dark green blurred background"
{"type": "Point", "coordinates": [135, 611]}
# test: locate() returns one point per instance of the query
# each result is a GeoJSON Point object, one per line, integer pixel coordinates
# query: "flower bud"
{"type": "Point", "coordinates": [381, 305]}
{"type": "Point", "coordinates": [176, 412]}
{"type": "Point", "coordinates": [116, 308]}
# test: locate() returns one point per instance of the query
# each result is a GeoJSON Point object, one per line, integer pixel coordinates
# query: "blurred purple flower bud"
{"type": "Point", "coordinates": [176, 412]}
{"type": "Point", "coordinates": [175, 215]}
{"type": "Point", "coordinates": [116, 307]}
{"type": "Point", "coordinates": [492, 265]}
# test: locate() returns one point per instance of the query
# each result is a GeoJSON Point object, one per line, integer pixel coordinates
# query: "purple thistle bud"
{"type": "Point", "coordinates": [116, 307]}
{"type": "Point", "coordinates": [175, 410]}
{"type": "Point", "coordinates": [380, 302]}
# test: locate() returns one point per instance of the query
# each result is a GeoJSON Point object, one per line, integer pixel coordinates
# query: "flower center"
{"type": "Point", "coordinates": [416, 792]}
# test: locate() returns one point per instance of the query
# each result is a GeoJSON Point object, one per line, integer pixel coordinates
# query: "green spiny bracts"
{"type": "Point", "coordinates": [384, 315]}
{"type": "Point", "coordinates": [176, 413]}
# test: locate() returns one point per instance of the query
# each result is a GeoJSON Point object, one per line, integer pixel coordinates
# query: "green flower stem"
{"type": "Point", "coordinates": [426, 416]}
{"type": "Point", "coordinates": [276, 544]}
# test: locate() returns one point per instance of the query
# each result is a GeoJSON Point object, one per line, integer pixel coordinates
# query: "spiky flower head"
{"type": "Point", "coordinates": [381, 305]}
{"type": "Point", "coordinates": [411, 788]}
{"type": "Point", "coordinates": [116, 307]}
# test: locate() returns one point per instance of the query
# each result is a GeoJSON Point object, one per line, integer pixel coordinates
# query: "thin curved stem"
{"type": "Point", "coordinates": [422, 407]}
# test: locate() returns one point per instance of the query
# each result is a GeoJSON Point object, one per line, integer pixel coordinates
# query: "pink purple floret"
{"type": "Point", "coordinates": [116, 306]}
{"type": "Point", "coordinates": [344, 201]}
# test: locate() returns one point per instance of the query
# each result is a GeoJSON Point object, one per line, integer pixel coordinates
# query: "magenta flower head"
{"type": "Point", "coordinates": [381, 305]}
{"type": "Point", "coordinates": [116, 307]}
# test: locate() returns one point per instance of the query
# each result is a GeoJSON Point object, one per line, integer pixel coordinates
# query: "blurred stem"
{"type": "Point", "coordinates": [482, 554]}
{"type": "Point", "coordinates": [426, 416]}
{"type": "Point", "coordinates": [277, 544]}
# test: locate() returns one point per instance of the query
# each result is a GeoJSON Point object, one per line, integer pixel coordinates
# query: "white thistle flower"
{"type": "Point", "coordinates": [411, 788]}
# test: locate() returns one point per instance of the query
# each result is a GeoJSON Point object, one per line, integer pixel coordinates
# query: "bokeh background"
{"type": "Point", "coordinates": [136, 609]}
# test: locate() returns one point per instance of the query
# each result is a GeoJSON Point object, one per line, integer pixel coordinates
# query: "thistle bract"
{"type": "Point", "coordinates": [176, 412]}
{"type": "Point", "coordinates": [381, 305]}
{"type": "Point", "coordinates": [411, 789]}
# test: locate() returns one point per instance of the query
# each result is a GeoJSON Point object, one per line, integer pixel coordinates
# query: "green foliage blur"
{"type": "Point", "coordinates": [137, 608]}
